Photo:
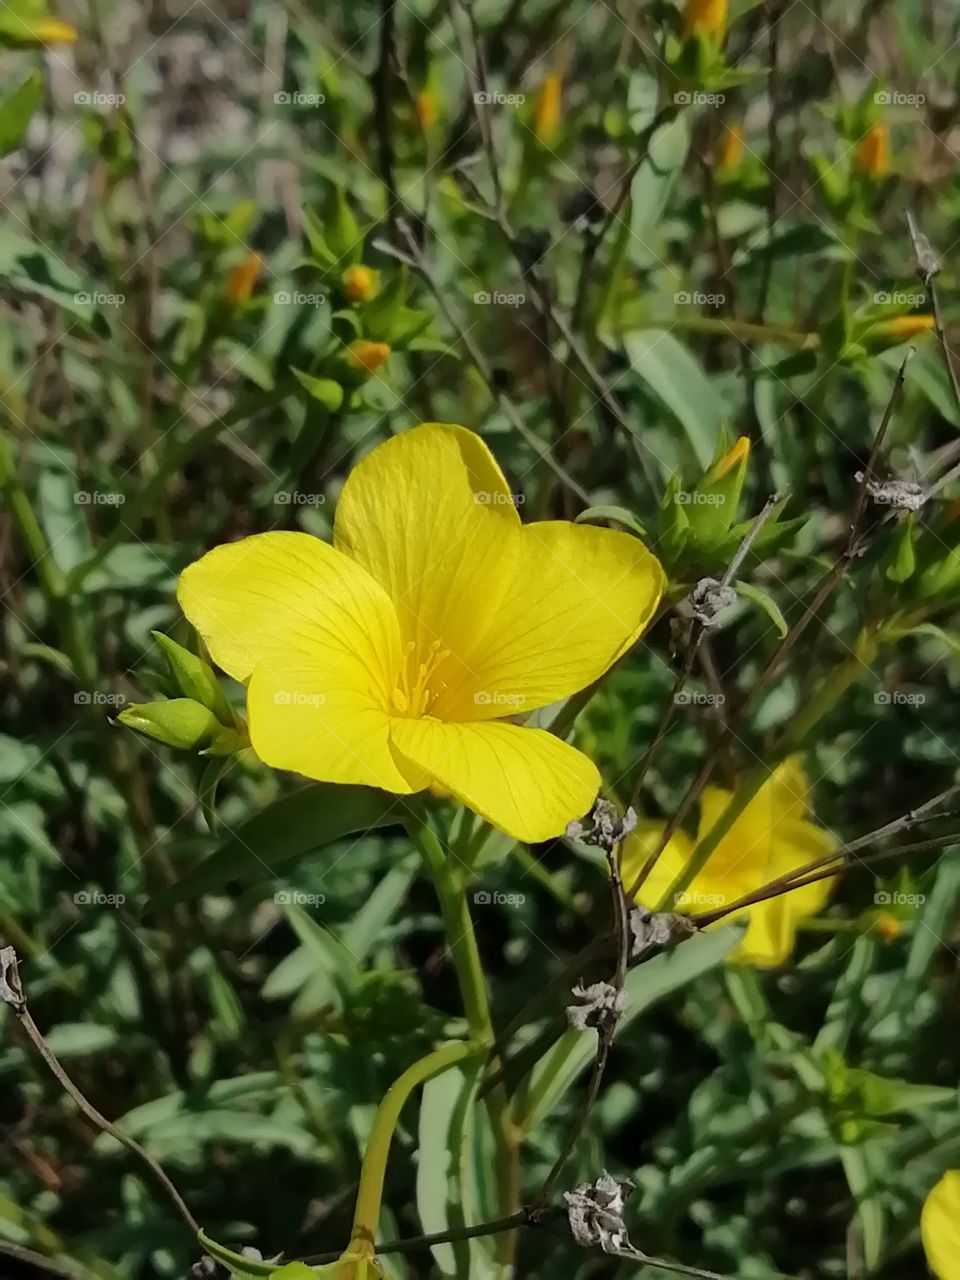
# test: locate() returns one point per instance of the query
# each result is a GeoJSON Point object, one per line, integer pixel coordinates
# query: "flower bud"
{"type": "Point", "coordinates": [365, 357]}
{"type": "Point", "coordinates": [903, 327]}
{"type": "Point", "coordinates": [360, 283]}
{"type": "Point", "coordinates": [730, 151]}
{"type": "Point", "coordinates": [426, 108]}
{"type": "Point", "coordinates": [546, 109]}
{"type": "Point", "coordinates": [887, 927]}
{"type": "Point", "coordinates": [242, 278]}
{"type": "Point", "coordinates": [181, 723]}
{"type": "Point", "coordinates": [872, 157]}
{"type": "Point", "coordinates": [704, 18]}
{"type": "Point", "coordinates": [53, 31]}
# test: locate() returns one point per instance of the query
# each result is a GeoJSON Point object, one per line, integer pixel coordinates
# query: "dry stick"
{"type": "Point", "coordinates": [697, 632]}
{"type": "Point", "coordinates": [11, 992]}
{"type": "Point", "coordinates": [606, 1028]}
{"type": "Point", "coordinates": [850, 552]}
{"type": "Point", "coordinates": [416, 261]}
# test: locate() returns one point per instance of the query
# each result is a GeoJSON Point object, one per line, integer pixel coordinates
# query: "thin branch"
{"type": "Point", "coordinates": [11, 992]}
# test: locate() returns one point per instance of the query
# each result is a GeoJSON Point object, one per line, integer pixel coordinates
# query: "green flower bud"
{"type": "Point", "coordinates": [182, 723]}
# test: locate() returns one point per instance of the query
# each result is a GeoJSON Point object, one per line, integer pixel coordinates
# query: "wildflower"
{"type": "Point", "coordinates": [772, 837]}
{"type": "Point", "coordinates": [396, 657]}
{"type": "Point", "coordinates": [940, 1227]}
{"type": "Point", "coordinates": [731, 151]}
{"type": "Point", "coordinates": [903, 327]}
{"type": "Point", "coordinates": [872, 156]}
{"type": "Point", "coordinates": [546, 109]}
{"type": "Point", "coordinates": [53, 31]}
{"type": "Point", "coordinates": [427, 111]}
{"type": "Point", "coordinates": [704, 18]}
{"type": "Point", "coordinates": [360, 283]}
{"type": "Point", "coordinates": [242, 278]}
{"type": "Point", "coordinates": [367, 357]}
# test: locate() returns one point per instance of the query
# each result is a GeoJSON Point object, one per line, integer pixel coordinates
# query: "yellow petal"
{"type": "Point", "coordinates": [579, 599]}
{"type": "Point", "coordinates": [283, 593]}
{"type": "Point", "coordinates": [429, 515]}
{"type": "Point", "coordinates": [940, 1227]}
{"type": "Point", "coordinates": [637, 848]}
{"type": "Point", "coordinates": [316, 715]}
{"type": "Point", "coordinates": [524, 781]}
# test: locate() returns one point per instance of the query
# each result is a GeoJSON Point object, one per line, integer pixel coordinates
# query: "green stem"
{"type": "Point", "coordinates": [451, 890]}
{"type": "Point", "coordinates": [366, 1216]}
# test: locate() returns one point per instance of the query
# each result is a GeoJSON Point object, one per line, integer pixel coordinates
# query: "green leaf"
{"type": "Point", "coordinates": [16, 110]}
{"type": "Point", "coordinates": [862, 1167]}
{"type": "Point", "coordinates": [325, 390]}
{"type": "Point", "coordinates": [675, 377]}
{"type": "Point", "coordinates": [756, 595]}
{"type": "Point", "coordinates": [620, 514]}
{"type": "Point", "coordinates": [307, 819]}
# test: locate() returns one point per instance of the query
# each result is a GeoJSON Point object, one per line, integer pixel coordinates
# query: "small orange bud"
{"type": "Point", "coordinates": [426, 107]}
{"type": "Point", "coordinates": [53, 31]}
{"type": "Point", "coordinates": [242, 278]}
{"type": "Point", "coordinates": [704, 18]}
{"type": "Point", "coordinates": [731, 149]}
{"type": "Point", "coordinates": [873, 152]}
{"type": "Point", "coordinates": [546, 109]}
{"type": "Point", "coordinates": [904, 327]}
{"type": "Point", "coordinates": [887, 927]}
{"type": "Point", "coordinates": [367, 356]}
{"type": "Point", "coordinates": [359, 283]}
{"type": "Point", "coordinates": [738, 452]}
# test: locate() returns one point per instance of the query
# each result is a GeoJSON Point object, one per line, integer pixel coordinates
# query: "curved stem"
{"type": "Point", "coordinates": [370, 1193]}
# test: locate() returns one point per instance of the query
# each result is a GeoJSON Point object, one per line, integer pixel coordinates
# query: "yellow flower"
{"type": "Point", "coordinates": [731, 150]}
{"type": "Point", "coordinates": [360, 283]}
{"type": "Point", "coordinates": [367, 357]}
{"type": "Point", "coordinates": [904, 327]}
{"type": "Point", "coordinates": [546, 109]}
{"type": "Point", "coordinates": [873, 152]}
{"type": "Point", "coordinates": [940, 1227]}
{"type": "Point", "coordinates": [242, 278]}
{"type": "Point", "coordinates": [772, 836]}
{"type": "Point", "coordinates": [704, 18]}
{"type": "Point", "coordinates": [53, 31]}
{"type": "Point", "coordinates": [426, 108]}
{"type": "Point", "coordinates": [396, 657]}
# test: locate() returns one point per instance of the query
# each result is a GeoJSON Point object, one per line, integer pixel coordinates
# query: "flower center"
{"type": "Point", "coordinates": [413, 695]}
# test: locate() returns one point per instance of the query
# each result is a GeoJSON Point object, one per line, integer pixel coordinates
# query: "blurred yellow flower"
{"type": "Point", "coordinates": [771, 837]}
{"type": "Point", "coordinates": [360, 283]}
{"type": "Point", "coordinates": [887, 927]}
{"type": "Point", "coordinates": [940, 1227]}
{"type": "Point", "coordinates": [872, 156]}
{"type": "Point", "coordinates": [242, 278]}
{"type": "Point", "coordinates": [53, 31]}
{"type": "Point", "coordinates": [364, 356]}
{"type": "Point", "coordinates": [546, 109]}
{"type": "Point", "coordinates": [396, 657]}
{"type": "Point", "coordinates": [904, 327]}
{"type": "Point", "coordinates": [704, 18]}
{"type": "Point", "coordinates": [426, 108]}
{"type": "Point", "coordinates": [730, 152]}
